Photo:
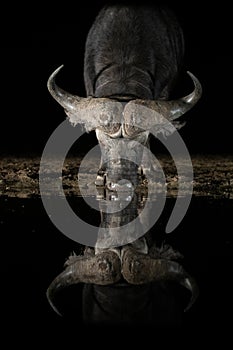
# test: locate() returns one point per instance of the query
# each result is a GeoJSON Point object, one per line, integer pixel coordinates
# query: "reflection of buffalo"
{"type": "Point", "coordinates": [133, 53]}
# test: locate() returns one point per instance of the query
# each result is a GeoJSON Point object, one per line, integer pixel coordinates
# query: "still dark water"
{"type": "Point", "coordinates": [33, 252]}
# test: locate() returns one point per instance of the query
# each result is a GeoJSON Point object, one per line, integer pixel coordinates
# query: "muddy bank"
{"type": "Point", "coordinates": [19, 176]}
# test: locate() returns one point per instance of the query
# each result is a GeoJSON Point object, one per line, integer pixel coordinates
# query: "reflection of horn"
{"type": "Point", "coordinates": [138, 268]}
{"type": "Point", "coordinates": [103, 268]}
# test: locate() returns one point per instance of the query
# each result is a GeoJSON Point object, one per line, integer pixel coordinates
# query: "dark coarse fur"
{"type": "Point", "coordinates": [134, 51]}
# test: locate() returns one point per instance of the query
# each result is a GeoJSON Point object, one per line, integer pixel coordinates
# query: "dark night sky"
{"type": "Point", "coordinates": [37, 39]}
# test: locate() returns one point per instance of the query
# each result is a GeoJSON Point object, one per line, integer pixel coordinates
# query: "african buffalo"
{"type": "Point", "coordinates": [133, 57]}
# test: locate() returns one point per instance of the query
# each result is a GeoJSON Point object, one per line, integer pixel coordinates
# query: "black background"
{"type": "Point", "coordinates": [37, 38]}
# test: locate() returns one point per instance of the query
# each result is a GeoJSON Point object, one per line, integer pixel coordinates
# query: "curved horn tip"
{"type": "Point", "coordinates": [51, 303]}
{"type": "Point", "coordinates": [196, 82]}
{"type": "Point", "coordinates": [192, 76]}
{"type": "Point", "coordinates": [58, 69]}
{"type": "Point", "coordinates": [192, 286]}
{"type": "Point", "coordinates": [191, 302]}
{"type": "Point", "coordinates": [52, 76]}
